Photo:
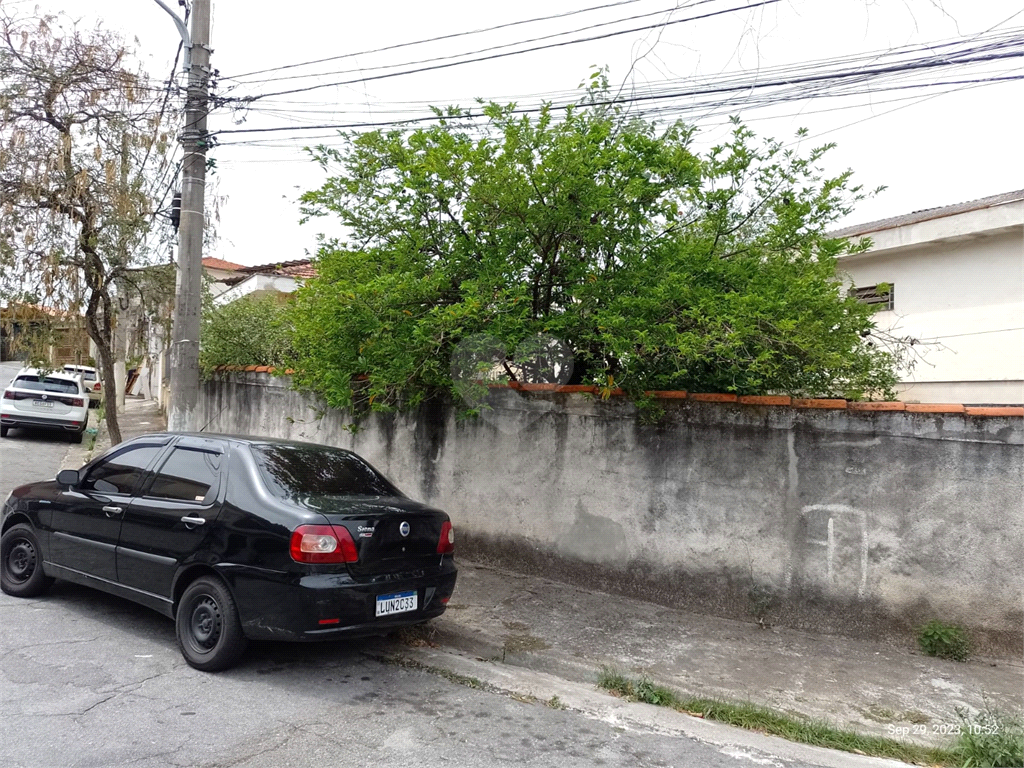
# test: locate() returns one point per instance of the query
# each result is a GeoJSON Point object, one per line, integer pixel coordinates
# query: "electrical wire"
{"type": "Point", "coordinates": [784, 85]}
{"type": "Point", "coordinates": [660, 12]}
{"type": "Point", "coordinates": [446, 65]}
{"type": "Point", "coordinates": [433, 39]}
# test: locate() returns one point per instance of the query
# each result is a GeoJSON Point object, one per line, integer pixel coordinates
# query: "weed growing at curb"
{"type": "Point", "coordinates": [447, 674]}
{"type": "Point", "coordinates": [990, 739]}
{"type": "Point", "coordinates": [754, 717]}
{"type": "Point", "coordinates": [945, 641]}
{"type": "Point", "coordinates": [555, 703]}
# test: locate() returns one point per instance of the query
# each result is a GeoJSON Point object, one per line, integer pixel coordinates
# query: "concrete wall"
{"type": "Point", "coordinates": [861, 523]}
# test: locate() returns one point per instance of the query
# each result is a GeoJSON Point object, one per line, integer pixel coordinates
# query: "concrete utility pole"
{"type": "Point", "coordinates": [184, 393]}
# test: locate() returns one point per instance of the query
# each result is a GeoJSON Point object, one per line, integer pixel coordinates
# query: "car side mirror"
{"type": "Point", "coordinates": [68, 477]}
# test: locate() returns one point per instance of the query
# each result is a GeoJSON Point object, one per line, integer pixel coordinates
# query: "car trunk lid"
{"type": "Point", "coordinates": [392, 535]}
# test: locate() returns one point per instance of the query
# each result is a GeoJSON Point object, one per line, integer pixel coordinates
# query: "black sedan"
{"type": "Point", "coordinates": [234, 538]}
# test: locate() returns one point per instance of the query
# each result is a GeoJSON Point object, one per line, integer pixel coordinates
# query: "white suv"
{"type": "Point", "coordinates": [36, 400]}
{"type": "Point", "coordinates": [91, 379]}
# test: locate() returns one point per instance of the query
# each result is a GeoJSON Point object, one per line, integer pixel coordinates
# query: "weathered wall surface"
{"type": "Point", "coordinates": [861, 523]}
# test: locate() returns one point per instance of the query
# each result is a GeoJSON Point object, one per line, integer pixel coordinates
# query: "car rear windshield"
{"type": "Point", "coordinates": [63, 386]}
{"type": "Point", "coordinates": [87, 375]}
{"type": "Point", "coordinates": [298, 471]}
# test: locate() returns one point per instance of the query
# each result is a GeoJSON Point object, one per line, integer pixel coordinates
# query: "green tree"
{"type": "Point", "coordinates": [85, 158]}
{"type": "Point", "coordinates": [658, 268]}
{"type": "Point", "coordinates": [250, 331]}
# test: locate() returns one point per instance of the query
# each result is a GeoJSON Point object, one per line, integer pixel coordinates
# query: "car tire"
{"type": "Point", "coordinates": [21, 563]}
{"type": "Point", "coordinates": [77, 437]}
{"type": "Point", "coordinates": [3, 431]}
{"type": "Point", "coordinates": [207, 625]}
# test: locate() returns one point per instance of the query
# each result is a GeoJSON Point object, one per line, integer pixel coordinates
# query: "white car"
{"type": "Point", "coordinates": [91, 379]}
{"type": "Point", "coordinates": [54, 401]}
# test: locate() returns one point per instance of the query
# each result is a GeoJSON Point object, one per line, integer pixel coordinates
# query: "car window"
{"type": "Point", "coordinates": [87, 375]}
{"type": "Point", "coordinates": [298, 470]}
{"type": "Point", "coordinates": [187, 475]}
{"type": "Point", "coordinates": [121, 473]}
{"type": "Point", "coordinates": [49, 384]}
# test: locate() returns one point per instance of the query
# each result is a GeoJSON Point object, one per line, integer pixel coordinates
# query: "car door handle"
{"type": "Point", "coordinates": [112, 511]}
{"type": "Point", "coordinates": [193, 520]}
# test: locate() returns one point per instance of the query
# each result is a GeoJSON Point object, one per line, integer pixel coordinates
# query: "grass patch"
{"type": "Point", "coordinates": [990, 739]}
{"type": "Point", "coordinates": [755, 717]}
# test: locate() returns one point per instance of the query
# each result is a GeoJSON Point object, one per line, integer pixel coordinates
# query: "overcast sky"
{"type": "Point", "coordinates": [928, 149]}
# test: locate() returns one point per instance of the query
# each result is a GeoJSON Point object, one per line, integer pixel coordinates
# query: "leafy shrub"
{"type": "Point", "coordinates": [657, 268]}
{"type": "Point", "coordinates": [945, 641]}
{"type": "Point", "coordinates": [250, 331]}
{"type": "Point", "coordinates": [991, 739]}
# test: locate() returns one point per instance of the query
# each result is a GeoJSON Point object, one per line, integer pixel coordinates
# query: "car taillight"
{"type": "Point", "coordinates": [323, 544]}
{"type": "Point", "coordinates": [8, 395]}
{"type": "Point", "coordinates": [77, 402]}
{"type": "Point", "coordinates": [446, 544]}
{"type": "Point", "coordinates": [96, 387]}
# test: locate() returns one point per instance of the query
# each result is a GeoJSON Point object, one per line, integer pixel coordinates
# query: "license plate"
{"type": "Point", "coordinates": [400, 602]}
{"type": "Point", "coordinates": [43, 403]}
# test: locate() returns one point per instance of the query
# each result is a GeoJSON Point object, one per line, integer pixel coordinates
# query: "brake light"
{"type": "Point", "coordinates": [323, 544]}
{"type": "Point", "coordinates": [96, 387]}
{"type": "Point", "coordinates": [8, 395]}
{"type": "Point", "coordinates": [446, 544]}
{"type": "Point", "coordinates": [77, 402]}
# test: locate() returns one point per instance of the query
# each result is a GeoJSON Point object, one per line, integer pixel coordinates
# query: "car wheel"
{"type": "Point", "coordinates": [209, 631]}
{"type": "Point", "coordinates": [3, 431]}
{"type": "Point", "coordinates": [21, 563]}
{"type": "Point", "coordinates": [76, 437]}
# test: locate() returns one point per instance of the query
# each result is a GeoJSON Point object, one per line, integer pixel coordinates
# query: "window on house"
{"type": "Point", "coordinates": [882, 295]}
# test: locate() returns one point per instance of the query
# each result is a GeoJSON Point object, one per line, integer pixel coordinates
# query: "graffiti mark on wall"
{"type": "Point", "coordinates": [837, 536]}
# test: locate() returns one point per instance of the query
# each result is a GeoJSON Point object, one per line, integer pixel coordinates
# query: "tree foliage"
{"type": "Point", "coordinates": [658, 268]}
{"type": "Point", "coordinates": [250, 331]}
{"type": "Point", "coordinates": [85, 159]}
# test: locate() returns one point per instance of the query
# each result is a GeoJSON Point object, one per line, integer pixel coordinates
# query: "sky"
{"type": "Point", "coordinates": [929, 147]}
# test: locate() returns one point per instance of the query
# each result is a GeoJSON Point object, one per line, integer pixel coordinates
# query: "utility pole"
{"type": "Point", "coordinates": [184, 393]}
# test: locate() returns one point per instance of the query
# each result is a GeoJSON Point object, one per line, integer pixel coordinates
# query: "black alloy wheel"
{"type": "Point", "coordinates": [208, 628]}
{"type": "Point", "coordinates": [21, 565]}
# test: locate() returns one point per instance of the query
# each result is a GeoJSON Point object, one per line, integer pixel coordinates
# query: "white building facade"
{"type": "Point", "coordinates": [955, 277]}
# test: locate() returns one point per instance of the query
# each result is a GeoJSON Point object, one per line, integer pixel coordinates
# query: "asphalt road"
{"type": "Point", "coordinates": [87, 679]}
{"type": "Point", "coordinates": [91, 680]}
{"type": "Point", "coordinates": [27, 456]}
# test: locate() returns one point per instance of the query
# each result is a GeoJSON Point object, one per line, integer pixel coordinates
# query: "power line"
{"type": "Point", "coordinates": [449, 57]}
{"type": "Point", "coordinates": [854, 75]}
{"type": "Point", "coordinates": [433, 39]}
{"type": "Point", "coordinates": [761, 3]}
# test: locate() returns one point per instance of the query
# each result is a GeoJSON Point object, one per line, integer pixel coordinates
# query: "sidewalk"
{"type": "Point", "coordinates": [140, 417]}
{"type": "Point", "coordinates": [868, 687]}
{"type": "Point", "coordinates": [526, 621]}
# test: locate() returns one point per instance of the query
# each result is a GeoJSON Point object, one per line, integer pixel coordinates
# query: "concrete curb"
{"type": "Point", "coordinates": [79, 455]}
{"type": "Point", "coordinates": [532, 685]}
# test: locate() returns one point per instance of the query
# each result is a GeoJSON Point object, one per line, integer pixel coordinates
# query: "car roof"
{"type": "Point", "coordinates": [51, 375]}
{"type": "Point", "coordinates": [241, 439]}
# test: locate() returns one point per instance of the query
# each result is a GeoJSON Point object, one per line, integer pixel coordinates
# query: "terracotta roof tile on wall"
{"type": "Point", "coordinates": [928, 214]}
{"type": "Point", "coordinates": [301, 268]}
{"type": "Point", "coordinates": [212, 263]}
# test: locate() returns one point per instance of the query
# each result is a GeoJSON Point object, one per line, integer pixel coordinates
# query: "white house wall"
{"type": "Point", "coordinates": [963, 298]}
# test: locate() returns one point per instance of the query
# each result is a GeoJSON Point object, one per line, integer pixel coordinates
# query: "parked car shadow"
{"type": "Point", "coordinates": [261, 658]}
{"type": "Point", "coordinates": [40, 435]}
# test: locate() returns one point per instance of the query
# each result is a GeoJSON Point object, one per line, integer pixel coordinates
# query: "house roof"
{"type": "Point", "coordinates": [929, 213]}
{"type": "Point", "coordinates": [301, 268]}
{"type": "Point", "coordinates": [212, 263]}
